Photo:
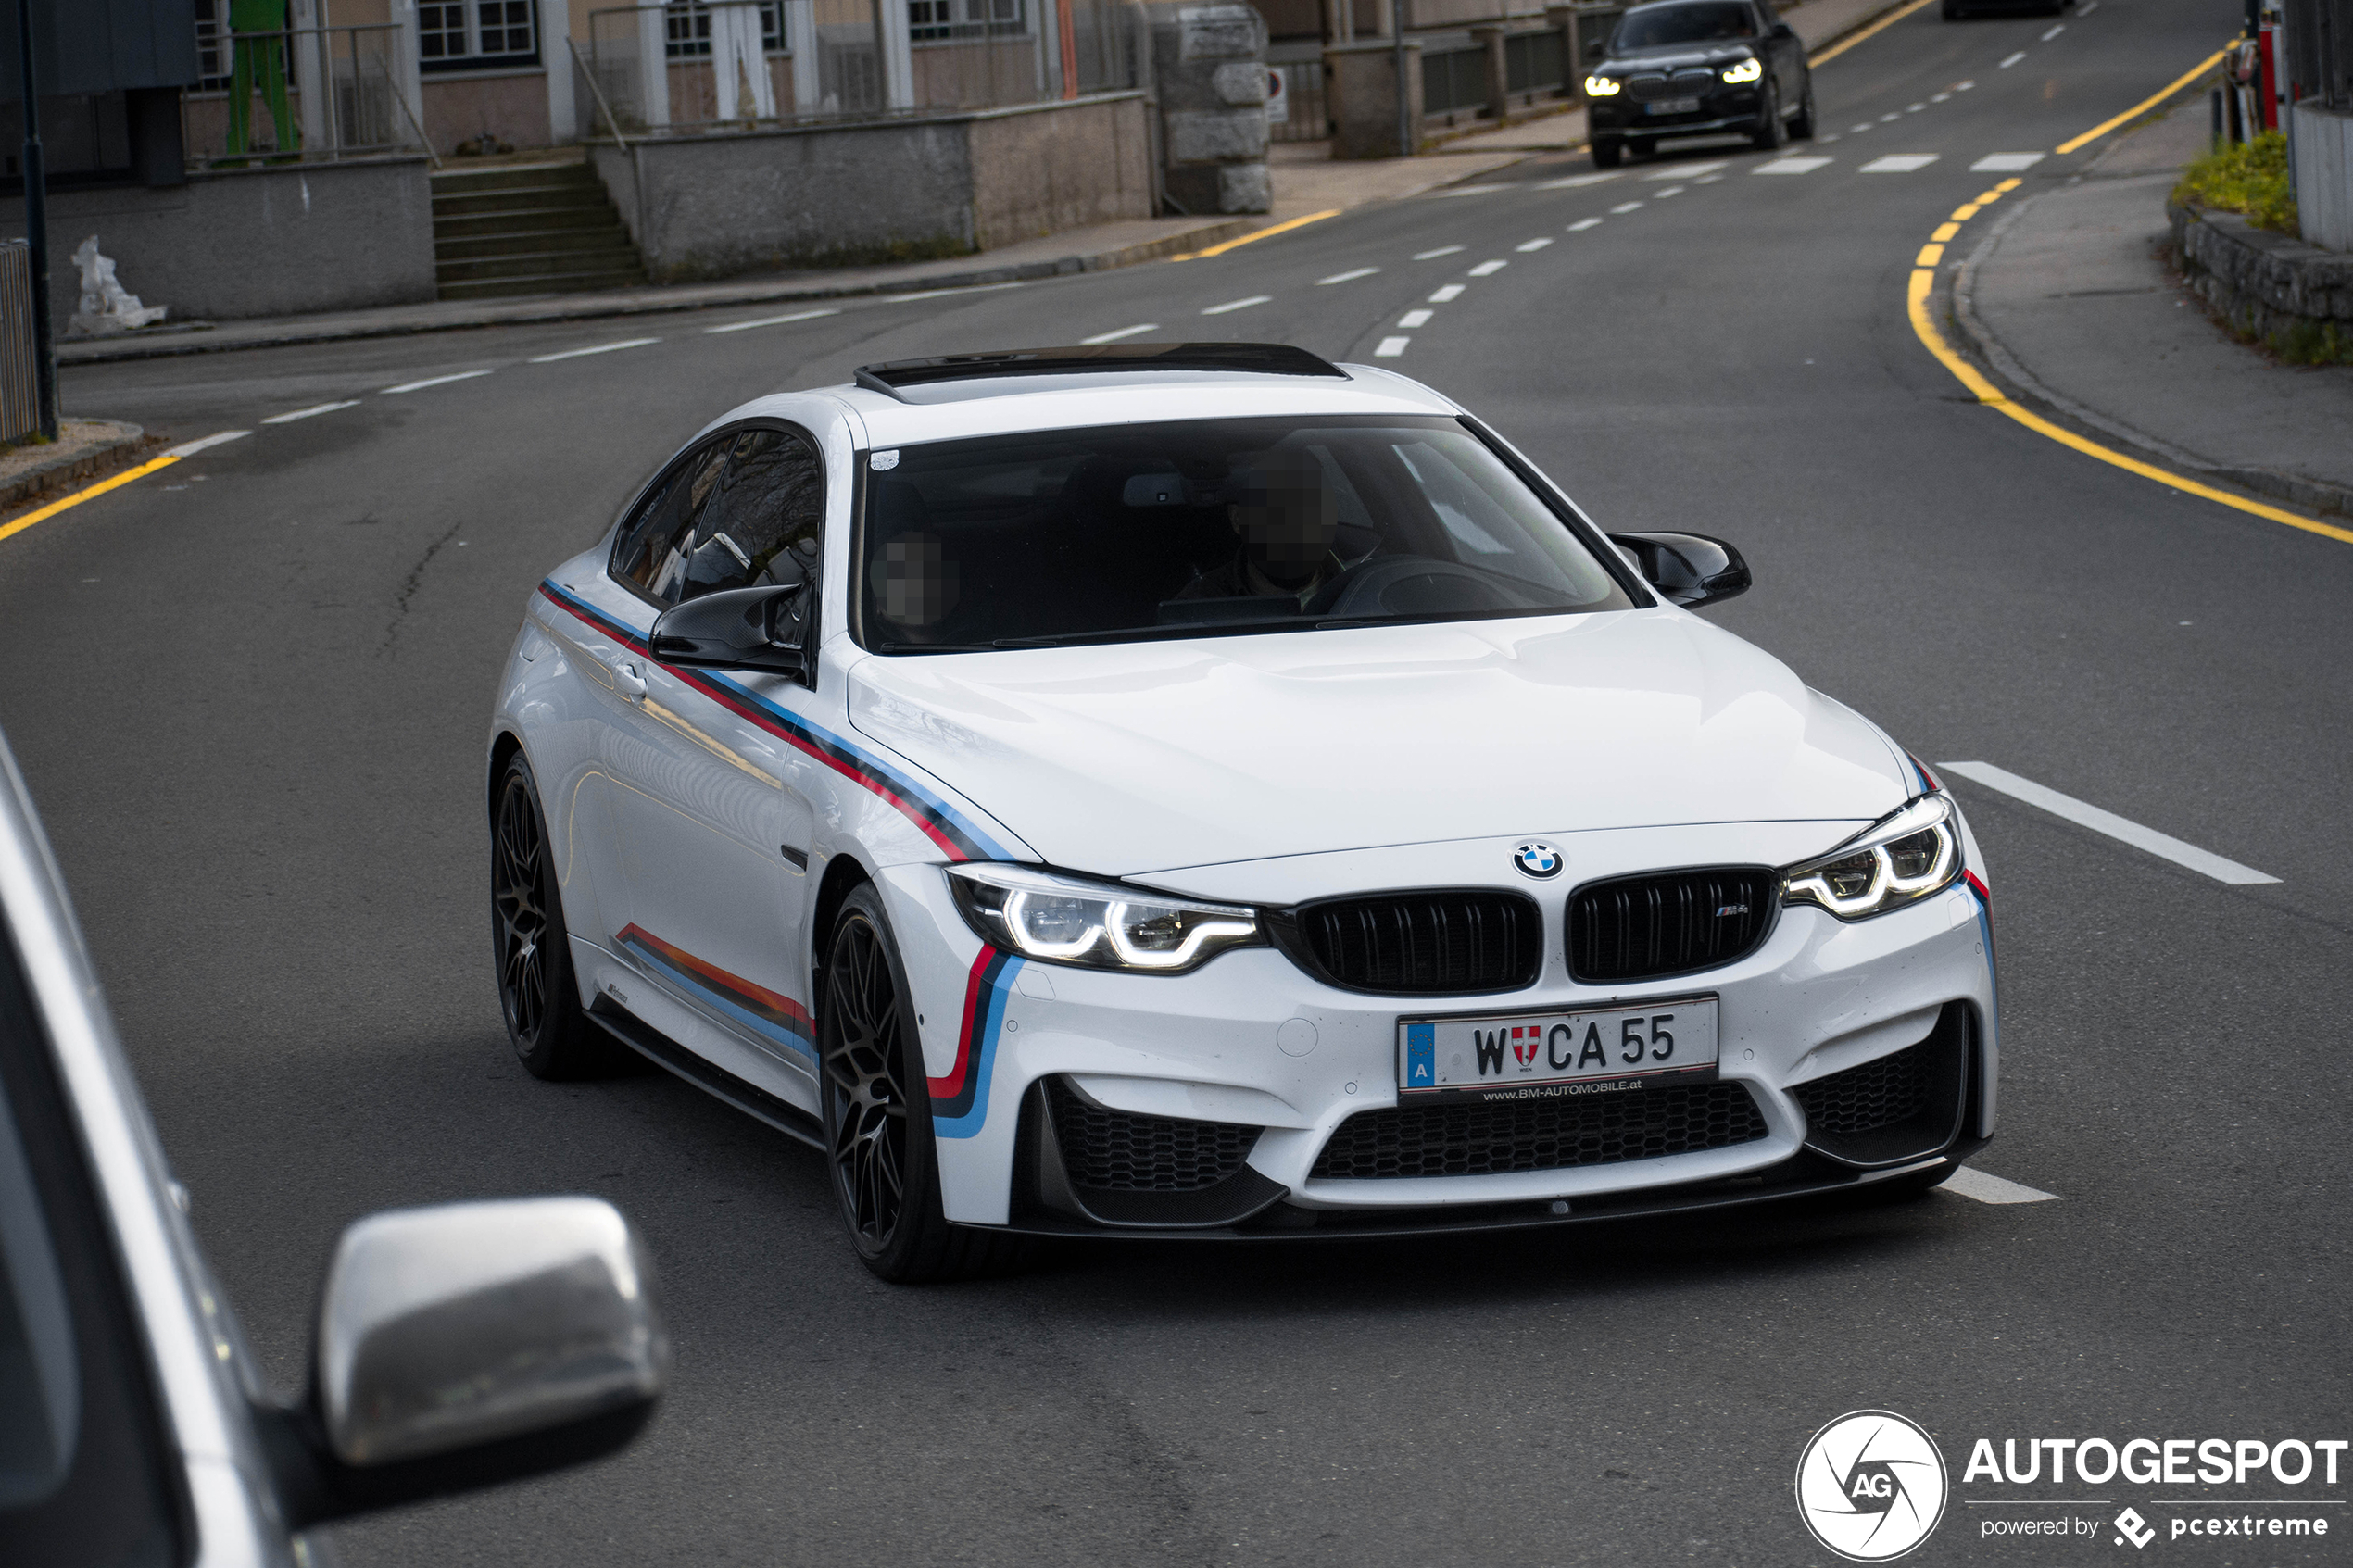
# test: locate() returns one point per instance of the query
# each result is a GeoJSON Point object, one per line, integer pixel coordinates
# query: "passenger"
{"type": "Point", "coordinates": [1286, 517]}
{"type": "Point", "coordinates": [914, 586]}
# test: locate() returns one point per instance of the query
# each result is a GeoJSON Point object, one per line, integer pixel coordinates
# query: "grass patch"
{"type": "Point", "coordinates": [2249, 179]}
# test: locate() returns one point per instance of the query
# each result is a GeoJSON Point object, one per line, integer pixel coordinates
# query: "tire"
{"type": "Point", "coordinates": [880, 1156]}
{"type": "Point", "coordinates": [1954, 13]}
{"type": "Point", "coordinates": [530, 946]}
{"type": "Point", "coordinates": [1771, 134]}
{"type": "Point", "coordinates": [1801, 128]}
{"type": "Point", "coordinates": [1607, 151]}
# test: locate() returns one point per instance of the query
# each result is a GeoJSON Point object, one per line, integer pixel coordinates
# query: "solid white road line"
{"type": "Point", "coordinates": [1968, 1183]}
{"type": "Point", "coordinates": [1237, 304]}
{"type": "Point", "coordinates": [1413, 319]}
{"type": "Point", "coordinates": [2163, 845]}
{"type": "Point", "coordinates": [1899, 163]}
{"type": "Point", "coordinates": [1533, 245]}
{"type": "Point", "coordinates": [1626, 207]}
{"type": "Point", "coordinates": [1434, 255]}
{"type": "Point", "coordinates": [1391, 347]}
{"type": "Point", "coordinates": [1572, 183]}
{"type": "Point", "coordinates": [2005, 163]}
{"type": "Point", "coordinates": [2054, 32]}
{"type": "Point", "coordinates": [1347, 277]}
{"type": "Point", "coordinates": [190, 448]}
{"type": "Point", "coordinates": [1790, 166]}
{"type": "Point", "coordinates": [305, 413]}
{"type": "Point", "coordinates": [1123, 332]}
{"type": "Point", "coordinates": [1584, 223]}
{"type": "Point", "coordinates": [599, 348]}
{"type": "Point", "coordinates": [2011, 61]}
{"type": "Point", "coordinates": [1487, 269]}
{"type": "Point", "coordinates": [771, 321]}
{"type": "Point", "coordinates": [430, 381]}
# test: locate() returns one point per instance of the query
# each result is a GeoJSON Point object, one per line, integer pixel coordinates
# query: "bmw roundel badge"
{"type": "Point", "coordinates": [1539, 860]}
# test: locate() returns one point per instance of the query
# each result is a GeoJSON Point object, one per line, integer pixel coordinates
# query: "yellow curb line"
{"type": "Point", "coordinates": [1924, 281]}
{"type": "Point", "coordinates": [1265, 233]}
{"type": "Point", "coordinates": [1852, 39]}
{"type": "Point", "coordinates": [2103, 127]}
{"type": "Point", "coordinates": [113, 481]}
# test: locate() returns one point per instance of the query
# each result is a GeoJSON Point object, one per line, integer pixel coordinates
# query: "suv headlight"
{"type": "Point", "coordinates": [1744, 71]}
{"type": "Point", "coordinates": [1602, 86]}
{"type": "Point", "coordinates": [1068, 920]}
{"type": "Point", "coordinates": [1897, 859]}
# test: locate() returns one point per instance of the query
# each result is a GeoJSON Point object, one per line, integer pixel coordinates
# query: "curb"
{"type": "Point", "coordinates": [591, 306]}
{"type": "Point", "coordinates": [2316, 495]}
{"type": "Point", "coordinates": [74, 467]}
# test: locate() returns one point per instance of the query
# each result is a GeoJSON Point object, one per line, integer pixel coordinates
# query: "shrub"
{"type": "Point", "coordinates": [2250, 177]}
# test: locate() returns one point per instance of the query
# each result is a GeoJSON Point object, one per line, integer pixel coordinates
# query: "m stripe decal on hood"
{"type": "Point", "coordinates": [960, 838]}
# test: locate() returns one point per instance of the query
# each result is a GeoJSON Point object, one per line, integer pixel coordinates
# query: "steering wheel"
{"type": "Point", "coordinates": [1363, 588]}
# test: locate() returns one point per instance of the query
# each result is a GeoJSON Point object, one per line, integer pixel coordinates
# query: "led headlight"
{"type": "Point", "coordinates": [1744, 71]}
{"type": "Point", "coordinates": [1096, 924]}
{"type": "Point", "coordinates": [1602, 87]}
{"type": "Point", "coordinates": [1901, 857]}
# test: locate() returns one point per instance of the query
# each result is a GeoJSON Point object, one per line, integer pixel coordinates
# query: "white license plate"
{"type": "Point", "coordinates": [1672, 106]}
{"type": "Point", "coordinates": [1556, 1055]}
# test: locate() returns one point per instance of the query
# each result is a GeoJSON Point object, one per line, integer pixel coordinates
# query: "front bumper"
{"type": "Point", "coordinates": [1250, 1041]}
{"type": "Point", "coordinates": [1728, 110]}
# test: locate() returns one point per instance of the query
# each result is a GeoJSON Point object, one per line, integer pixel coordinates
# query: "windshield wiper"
{"type": "Point", "coordinates": [1175, 629]}
{"type": "Point", "coordinates": [937, 647]}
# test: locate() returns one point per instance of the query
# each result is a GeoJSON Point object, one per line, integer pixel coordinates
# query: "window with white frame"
{"type": "Point", "coordinates": [687, 28]}
{"type": "Point", "coordinates": [475, 34]}
{"type": "Point", "coordinates": [932, 19]}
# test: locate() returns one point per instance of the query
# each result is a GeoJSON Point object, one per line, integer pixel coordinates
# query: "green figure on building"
{"type": "Point", "coordinates": [259, 27]}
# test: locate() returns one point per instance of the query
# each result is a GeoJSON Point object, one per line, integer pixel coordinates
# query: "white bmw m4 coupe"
{"type": "Point", "coordinates": [1203, 790]}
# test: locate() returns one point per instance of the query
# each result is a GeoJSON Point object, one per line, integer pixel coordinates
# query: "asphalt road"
{"type": "Point", "coordinates": [250, 693]}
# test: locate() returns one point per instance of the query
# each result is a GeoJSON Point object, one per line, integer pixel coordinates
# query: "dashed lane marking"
{"type": "Point", "coordinates": [593, 348]}
{"type": "Point", "coordinates": [1625, 208]}
{"type": "Point", "coordinates": [1446, 295]}
{"type": "Point", "coordinates": [1468, 190]}
{"type": "Point", "coordinates": [2011, 61]}
{"type": "Point", "coordinates": [2054, 32]}
{"type": "Point", "coordinates": [1971, 1182]}
{"type": "Point", "coordinates": [1348, 277]}
{"type": "Point", "coordinates": [430, 380]}
{"type": "Point", "coordinates": [949, 294]}
{"type": "Point", "coordinates": [1711, 179]}
{"type": "Point", "coordinates": [1413, 319]}
{"type": "Point", "coordinates": [1434, 255]}
{"type": "Point", "coordinates": [116, 481]}
{"type": "Point", "coordinates": [1391, 347]}
{"type": "Point", "coordinates": [1670, 191]}
{"type": "Point", "coordinates": [1138, 331]}
{"type": "Point", "coordinates": [1687, 171]}
{"type": "Point", "coordinates": [1790, 166]}
{"type": "Point", "coordinates": [771, 321]}
{"type": "Point", "coordinates": [2004, 163]}
{"type": "Point", "coordinates": [1574, 182]}
{"type": "Point", "coordinates": [1899, 163]}
{"type": "Point", "coordinates": [312, 411]}
{"type": "Point", "coordinates": [1584, 223]}
{"type": "Point", "coordinates": [2103, 127]}
{"type": "Point", "coordinates": [1858, 129]}
{"type": "Point", "coordinates": [1487, 269]}
{"type": "Point", "coordinates": [1237, 303]}
{"type": "Point", "coordinates": [1539, 244]}
{"type": "Point", "coordinates": [1914, 108]}
{"type": "Point", "coordinates": [2084, 814]}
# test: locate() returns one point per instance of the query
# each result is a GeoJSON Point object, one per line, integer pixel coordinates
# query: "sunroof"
{"type": "Point", "coordinates": [1249, 358]}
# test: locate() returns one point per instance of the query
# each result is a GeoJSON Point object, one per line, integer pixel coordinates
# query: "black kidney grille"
{"type": "Point", "coordinates": [1669, 922]}
{"type": "Point", "coordinates": [1478, 1138]}
{"type": "Point", "coordinates": [1862, 1099]}
{"type": "Point", "coordinates": [1430, 943]}
{"type": "Point", "coordinates": [1119, 1151]}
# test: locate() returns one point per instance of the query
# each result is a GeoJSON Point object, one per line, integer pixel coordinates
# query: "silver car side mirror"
{"type": "Point", "coordinates": [460, 1325]}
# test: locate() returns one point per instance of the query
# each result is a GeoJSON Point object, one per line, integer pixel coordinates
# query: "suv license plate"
{"type": "Point", "coordinates": [1672, 106]}
{"type": "Point", "coordinates": [1556, 1055]}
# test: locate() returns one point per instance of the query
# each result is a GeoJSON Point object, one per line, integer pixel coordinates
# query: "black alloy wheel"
{"type": "Point", "coordinates": [1801, 128]}
{"type": "Point", "coordinates": [1770, 135]}
{"type": "Point", "coordinates": [552, 1036]}
{"type": "Point", "coordinates": [877, 1111]}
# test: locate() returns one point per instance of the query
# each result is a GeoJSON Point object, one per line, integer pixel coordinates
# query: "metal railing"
{"type": "Point", "coordinates": [310, 95]}
{"type": "Point", "coordinates": [20, 384]}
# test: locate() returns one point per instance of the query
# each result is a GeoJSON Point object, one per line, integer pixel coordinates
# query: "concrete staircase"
{"type": "Point", "coordinates": [528, 228]}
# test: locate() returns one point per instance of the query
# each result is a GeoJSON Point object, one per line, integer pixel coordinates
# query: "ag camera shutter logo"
{"type": "Point", "coordinates": [1871, 1485]}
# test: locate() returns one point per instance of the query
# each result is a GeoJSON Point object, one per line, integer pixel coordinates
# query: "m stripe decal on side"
{"type": "Point", "coordinates": [771, 1015]}
{"type": "Point", "coordinates": [957, 835]}
{"type": "Point", "coordinates": [960, 1097]}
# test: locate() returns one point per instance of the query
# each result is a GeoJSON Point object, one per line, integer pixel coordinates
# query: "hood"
{"type": "Point", "coordinates": [1675, 57]}
{"type": "Point", "coordinates": [1131, 758]}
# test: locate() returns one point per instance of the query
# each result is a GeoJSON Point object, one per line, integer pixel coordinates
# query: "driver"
{"type": "Point", "coordinates": [1285, 518]}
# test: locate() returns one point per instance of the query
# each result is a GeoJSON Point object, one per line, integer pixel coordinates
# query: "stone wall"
{"type": "Point", "coordinates": [1209, 71]}
{"type": "Point", "coordinates": [2295, 297]}
{"type": "Point", "coordinates": [252, 242]}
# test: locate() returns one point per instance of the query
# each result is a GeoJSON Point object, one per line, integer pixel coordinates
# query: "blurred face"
{"type": "Point", "coordinates": [1286, 514]}
{"type": "Point", "coordinates": [914, 585]}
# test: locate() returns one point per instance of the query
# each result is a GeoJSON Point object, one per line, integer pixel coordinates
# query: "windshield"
{"type": "Point", "coordinates": [1206, 527]}
{"type": "Point", "coordinates": [1660, 26]}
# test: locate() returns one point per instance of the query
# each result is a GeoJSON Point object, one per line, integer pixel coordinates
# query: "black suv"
{"type": "Point", "coordinates": [1698, 67]}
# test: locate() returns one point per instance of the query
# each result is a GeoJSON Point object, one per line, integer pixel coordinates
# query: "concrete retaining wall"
{"type": "Point", "coordinates": [2296, 297]}
{"type": "Point", "coordinates": [252, 242]}
{"type": "Point", "coordinates": [899, 190]}
{"type": "Point", "coordinates": [2323, 143]}
{"type": "Point", "coordinates": [1209, 71]}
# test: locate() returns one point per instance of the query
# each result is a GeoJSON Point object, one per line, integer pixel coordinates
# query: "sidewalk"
{"type": "Point", "coordinates": [2072, 301]}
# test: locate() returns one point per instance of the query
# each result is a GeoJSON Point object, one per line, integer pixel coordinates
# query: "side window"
{"type": "Point", "coordinates": [768, 508]}
{"type": "Point", "coordinates": [653, 548]}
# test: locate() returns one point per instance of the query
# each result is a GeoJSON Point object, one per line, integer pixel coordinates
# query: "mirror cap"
{"type": "Point", "coordinates": [736, 628]}
{"type": "Point", "coordinates": [1689, 570]}
{"type": "Point", "coordinates": [449, 1327]}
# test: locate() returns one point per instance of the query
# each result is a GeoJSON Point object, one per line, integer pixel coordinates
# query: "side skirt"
{"type": "Point", "coordinates": [663, 1051]}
